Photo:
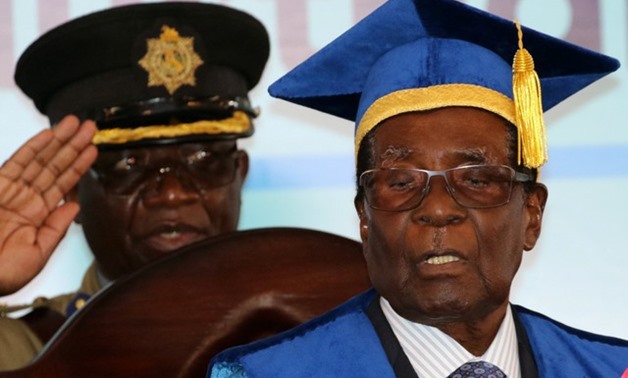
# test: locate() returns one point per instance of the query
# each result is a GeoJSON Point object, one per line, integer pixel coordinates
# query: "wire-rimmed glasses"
{"type": "Point", "coordinates": [471, 186]}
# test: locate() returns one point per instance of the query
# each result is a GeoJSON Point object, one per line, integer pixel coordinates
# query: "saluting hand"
{"type": "Point", "coordinates": [33, 183]}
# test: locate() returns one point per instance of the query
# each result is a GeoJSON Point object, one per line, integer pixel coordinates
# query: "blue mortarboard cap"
{"type": "Point", "coordinates": [411, 55]}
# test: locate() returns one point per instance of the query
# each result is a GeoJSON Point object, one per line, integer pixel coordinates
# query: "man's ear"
{"type": "Point", "coordinates": [535, 205]}
{"type": "Point", "coordinates": [364, 227]}
{"type": "Point", "coordinates": [72, 196]}
{"type": "Point", "coordinates": [243, 164]}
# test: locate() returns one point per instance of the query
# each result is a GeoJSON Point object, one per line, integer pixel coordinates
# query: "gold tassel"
{"type": "Point", "coordinates": [528, 108]}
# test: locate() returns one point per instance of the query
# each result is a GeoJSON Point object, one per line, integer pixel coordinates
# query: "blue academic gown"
{"type": "Point", "coordinates": [345, 343]}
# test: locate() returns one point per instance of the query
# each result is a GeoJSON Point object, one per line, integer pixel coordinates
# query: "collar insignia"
{"type": "Point", "coordinates": [170, 60]}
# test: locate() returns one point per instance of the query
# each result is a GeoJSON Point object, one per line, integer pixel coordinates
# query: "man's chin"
{"type": "Point", "coordinates": [434, 310]}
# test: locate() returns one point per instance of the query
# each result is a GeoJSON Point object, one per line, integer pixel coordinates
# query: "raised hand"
{"type": "Point", "coordinates": [33, 183]}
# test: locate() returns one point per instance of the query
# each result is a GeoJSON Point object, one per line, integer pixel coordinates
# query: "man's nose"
{"type": "Point", "coordinates": [438, 207]}
{"type": "Point", "coordinates": [169, 186]}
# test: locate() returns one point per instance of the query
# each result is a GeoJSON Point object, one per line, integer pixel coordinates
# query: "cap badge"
{"type": "Point", "coordinates": [170, 60]}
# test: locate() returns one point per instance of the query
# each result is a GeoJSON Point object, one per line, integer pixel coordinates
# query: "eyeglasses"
{"type": "Point", "coordinates": [123, 172]}
{"type": "Point", "coordinates": [471, 186]}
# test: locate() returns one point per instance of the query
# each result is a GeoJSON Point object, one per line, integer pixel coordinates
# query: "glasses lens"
{"type": "Point", "coordinates": [394, 189]}
{"type": "Point", "coordinates": [123, 172]}
{"type": "Point", "coordinates": [481, 186]}
{"type": "Point", "coordinates": [210, 169]}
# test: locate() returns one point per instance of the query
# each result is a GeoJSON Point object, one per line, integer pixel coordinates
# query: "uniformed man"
{"type": "Point", "coordinates": [161, 90]}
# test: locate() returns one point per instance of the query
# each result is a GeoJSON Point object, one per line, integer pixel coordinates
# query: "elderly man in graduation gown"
{"type": "Point", "coordinates": [448, 106]}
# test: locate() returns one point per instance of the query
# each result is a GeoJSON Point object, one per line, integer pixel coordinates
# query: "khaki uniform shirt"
{"type": "Point", "coordinates": [18, 344]}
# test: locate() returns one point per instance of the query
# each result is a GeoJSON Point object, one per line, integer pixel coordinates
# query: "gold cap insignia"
{"type": "Point", "coordinates": [170, 60]}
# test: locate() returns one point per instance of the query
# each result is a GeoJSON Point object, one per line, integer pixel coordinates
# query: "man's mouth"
{"type": "Point", "coordinates": [173, 234]}
{"type": "Point", "coordinates": [166, 238]}
{"type": "Point", "coordinates": [440, 260]}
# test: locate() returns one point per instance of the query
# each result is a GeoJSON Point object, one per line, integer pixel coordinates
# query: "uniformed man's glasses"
{"type": "Point", "coordinates": [472, 186]}
{"type": "Point", "coordinates": [123, 172]}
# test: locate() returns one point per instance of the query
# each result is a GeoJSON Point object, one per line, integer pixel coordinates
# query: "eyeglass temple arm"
{"type": "Point", "coordinates": [523, 177]}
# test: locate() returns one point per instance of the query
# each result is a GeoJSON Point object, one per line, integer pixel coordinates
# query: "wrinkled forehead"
{"type": "Point", "coordinates": [463, 133]}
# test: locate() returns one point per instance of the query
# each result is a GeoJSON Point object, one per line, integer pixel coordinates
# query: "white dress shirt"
{"type": "Point", "coordinates": [433, 354]}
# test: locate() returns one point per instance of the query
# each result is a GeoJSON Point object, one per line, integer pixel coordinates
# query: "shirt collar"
{"type": "Point", "coordinates": [433, 354]}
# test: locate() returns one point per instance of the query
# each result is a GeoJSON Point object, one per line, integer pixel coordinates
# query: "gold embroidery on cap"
{"type": "Point", "coordinates": [239, 123]}
{"type": "Point", "coordinates": [170, 60]}
{"type": "Point", "coordinates": [434, 97]}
